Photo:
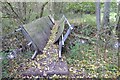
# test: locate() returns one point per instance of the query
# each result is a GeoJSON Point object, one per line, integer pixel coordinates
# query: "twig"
{"type": "Point", "coordinates": [42, 9]}
{"type": "Point", "coordinates": [14, 11]}
{"type": "Point", "coordinates": [86, 38]}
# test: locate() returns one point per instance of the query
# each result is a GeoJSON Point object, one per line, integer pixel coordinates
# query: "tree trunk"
{"type": "Point", "coordinates": [106, 25]}
{"type": "Point", "coordinates": [98, 20]}
{"type": "Point", "coordinates": [106, 14]}
{"type": "Point", "coordinates": [24, 9]}
{"type": "Point", "coordinates": [118, 33]}
{"type": "Point", "coordinates": [98, 15]}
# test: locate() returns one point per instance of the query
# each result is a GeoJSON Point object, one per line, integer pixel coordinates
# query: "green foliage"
{"type": "Point", "coordinates": [84, 7]}
{"type": "Point", "coordinates": [75, 52]}
{"type": "Point", "coordinates": [8, 65]}
{"type": "Point", "coordinates": [5, 64]}
{"type": "Point", "coordinates": [87, 7]}
{"type": "Point", "coordinates": [27, 54]}
{"type": "Point", "coordinates": [85, 19]}
{"type": "Point", "coordinates": [88, 31]}
{"type": "Point", "coordinates": [81, 51]}
{"type": "Point", "coordinates": [89, 19]}
{"type": "Point", "coordinates": [113, 6]}
{"type": "Point", "coordinates": [83, 56]}
{"type": "Point", "coordinates": [8, 25]}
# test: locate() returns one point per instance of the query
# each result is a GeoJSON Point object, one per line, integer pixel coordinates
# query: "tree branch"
{"type": "Point", "coordinates": [42, 9]}
{"type": "Point", "coordinates": [14, 11]}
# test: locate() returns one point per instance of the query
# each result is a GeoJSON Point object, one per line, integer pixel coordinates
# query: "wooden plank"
{"type": "Point", "coordinates": [33, 71]}
{"type": "Point", "coordinates": [39, 31]}
{"type": "Point", "coordinates": [30, 43]}
{"type": "Point", "coordinates": [59, 36]}
{"type": "Point", "coordinates": [60, 48]}
{"type": "Point", "coordinates": [62, 40]}
{"type": "Point", "coordinates": [52, 19]}
{"type": "Point", "coordinates": [67, 33]}
{"type": "Point", "coordinates": [60, 29]}
{"type": "Point", "coordinates": [35, 53]}
{"type": "Point", "coordinates": [58, 68]}
{"type": "Point", "coordinates": [19, 29]}
{"type": "Point", "coordinates": [28, 37]}
{"type": "Point", "coordinates": [68, 23]}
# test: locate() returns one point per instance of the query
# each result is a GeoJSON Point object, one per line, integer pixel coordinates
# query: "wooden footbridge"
{"type": "Point", "coordinates": [46, 37]}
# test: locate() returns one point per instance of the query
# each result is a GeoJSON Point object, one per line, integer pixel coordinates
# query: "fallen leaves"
{"type": "Point", "coordinates": [89, 67]}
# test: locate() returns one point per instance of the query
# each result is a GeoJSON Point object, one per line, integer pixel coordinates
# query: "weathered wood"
{"type": "Point", "coordinates": [71, 27]}
{"type": "Point", "coordinates": [30, 43]}
{"type": "Point", "coordinates": [67, 33]}
{"type": "Point", "coordinates": [60, 48]}
{"type": "Point", "coordinates": [39, 31]}
{"type": "Point", "coordinates": [52, 19]}
{"type": "Point", "coordinates": [35, 53]}
{"type": "Point", "coordinates": [60, 38]}
{"type": "Point", "coordinates": [58, 68]}
{"type": "Point", "coordinates": [33, 71]}
{"type": "Point", "coordinates": [19, 29]}
{"type": "Point", "coordinates": [28, 37]}
{"type": "Point", "coordinates": [60, 29]}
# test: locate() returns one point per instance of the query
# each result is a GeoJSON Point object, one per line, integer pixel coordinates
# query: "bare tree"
{"type": "Point", "coordinates": [98, 20]}
{"type": "Point", "coordinates": [105, 24]}
{"type": "Point", "coordinates": [98, 14]}
{"type": "Point", "coordinates": [118, 33]}
{"type": "Point", "coordinates": [11, 12]}
{"type": "Point", "coordinates": [105, 20]}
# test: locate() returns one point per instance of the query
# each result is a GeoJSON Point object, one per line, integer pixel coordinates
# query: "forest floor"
{"type": "Point", "coordinates": [80, 62]}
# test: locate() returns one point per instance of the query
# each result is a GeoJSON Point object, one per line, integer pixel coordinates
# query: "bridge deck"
{"type": "Point", "coordinates": [48, 62]}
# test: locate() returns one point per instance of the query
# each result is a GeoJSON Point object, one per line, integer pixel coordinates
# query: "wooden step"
{"type": "Point", "coordinates": [58, 68]}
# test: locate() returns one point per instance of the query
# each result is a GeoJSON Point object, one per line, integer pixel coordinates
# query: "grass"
{"type": "Point", "coordinates": [4, 64]}
{"type": "Point", "coordinates": [10, 66]}
{"type": "Point", "coordinates": [1, 64]}
{"type": "Point", "coordinates": [84, 56]}
{"type": "Point", "coordinates": [89, 19]}
{"type": "Point", "coordinates": [84, 19]}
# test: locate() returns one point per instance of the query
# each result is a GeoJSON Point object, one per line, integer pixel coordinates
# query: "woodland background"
{"type": "Point", "coordinates": [95, 37]}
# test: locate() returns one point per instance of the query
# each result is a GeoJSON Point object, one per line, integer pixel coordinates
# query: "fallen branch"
{"type": "Point", "coordinates": [90, 40]}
